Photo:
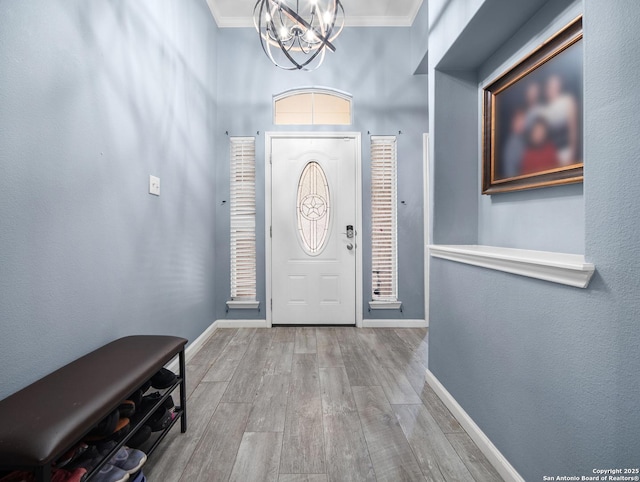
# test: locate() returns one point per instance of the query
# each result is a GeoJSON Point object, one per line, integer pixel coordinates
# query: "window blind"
{"type": "Point", "coordinates": [243, 219]}
{"type": "Point", "coordinates": [384, 264]}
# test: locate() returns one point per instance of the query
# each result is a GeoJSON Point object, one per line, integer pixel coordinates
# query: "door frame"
{"type": "Point", "coordinates": [269, 136]}
{"type": "Point", "coordinates": [427, 223]}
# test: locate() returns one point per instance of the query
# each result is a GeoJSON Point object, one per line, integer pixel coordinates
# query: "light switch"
{"type": "Point", "coordinates": [154, 185]}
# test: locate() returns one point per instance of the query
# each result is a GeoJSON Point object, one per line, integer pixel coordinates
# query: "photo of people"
{"type": "Point", "coordinates": [538, 119]}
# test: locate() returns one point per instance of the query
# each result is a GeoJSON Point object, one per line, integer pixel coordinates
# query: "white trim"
{"type": "Point", "coordinates": [312, 90]}
{"type": "Point", "coordinates": [194, 347]}
{"type": "Point", "coordinates": [269, 136]}
{"type": "Point", "coordinates": [247, 22]}
{"type": "Point", "coordinates": [414, 13]}
{"type": "Point", "coordinates": [427, 222]}
{"type": "Point", "coordinates": [567, 269]}
{"type": "Point", "coordinates": [394, 324]}
{"type": "Point", "coordinates": [243, 305]}
{"type": "Point", "coordinates": [379, 21]}
{"type": "Point", "coordinates": [495, 457]}
{"type": "Point", "coordinates": [243, 324]}
{"type": "Point", "coordinates": [372, 21]}
{"type": "Point", "coordinates": [385, 305]}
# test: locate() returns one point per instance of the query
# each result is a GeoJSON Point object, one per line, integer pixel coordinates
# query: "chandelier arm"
{"type": "Point", "coordinates": [262, 40]}
{"type": "Point", "coordinates": [266, 48]}
{"type": "Point", "coordinates": [313, 57]}
{"type": "Point", "coordinates": [304, 23]}
{"type": "Point", "coordinates": [272, 58]}
{"type": "Point", "coordinates": [286, 52]}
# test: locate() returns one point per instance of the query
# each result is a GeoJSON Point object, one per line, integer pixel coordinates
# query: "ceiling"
{"type": "Point", "coordinates": [358, 13]}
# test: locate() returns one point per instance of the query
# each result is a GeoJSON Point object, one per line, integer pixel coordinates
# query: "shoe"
{"type": "Point", "coordinates": [106, 427]}
{"type": "Point", "coordinates": [159, 420]}
{"type": "Point", "coordinates": [127, 409]}
{"type": "Point", "coordinates": [139, 478]}
{"type": "Point", "coordinates": [150, 400]}
{"type": "Point", "coordinates": [129, 460]}
{"type": "Point", "coordinates": [110, 473]}
{"type": "Point", "coordinates": [88, 460]}
{"type": "Point", "coordinates": [136, 397]}
{"type": "Point", "coordinates": [73, 454]}
{"type": "Point", "coordinates": [163, 379]}
{"type": "Point", "coordinates": [140, 437]}
{"type": "Point", "coordinates": [122, 428]}
{"type": "Point", "coordinates": [61, 475]}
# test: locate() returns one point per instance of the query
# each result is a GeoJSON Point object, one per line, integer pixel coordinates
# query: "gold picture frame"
{"type": "Point", "coordinates": [532, 120]}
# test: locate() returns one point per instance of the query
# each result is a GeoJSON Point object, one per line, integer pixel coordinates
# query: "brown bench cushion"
{"type": "Point", "coordinates": [49, 416]}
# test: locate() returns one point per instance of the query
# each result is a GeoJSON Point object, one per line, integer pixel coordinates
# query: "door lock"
{"type": "Point", "coordinates": [349, 231]}
{"type": "Point", "coordinates": [349, 246]}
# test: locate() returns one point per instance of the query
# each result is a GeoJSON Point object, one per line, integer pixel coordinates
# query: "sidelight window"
{"type": "Point", "coordinates": [243, 219]}
{"type": "Point", "coordinates": [384, 239]}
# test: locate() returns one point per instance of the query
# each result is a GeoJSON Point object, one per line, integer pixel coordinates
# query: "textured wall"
{"type": "Point", "coordinates": [420, 40]}
{"type": "Point", "coordinates": [548, 372]}
{"type": "Point", "coordinates": [455, 200]}
{"type": "Point", "coordinates": [549, 219]}
{"type": "Point", "coordinates": [375, 66]}
{"type": "Point", "coordinates": [94, 97]}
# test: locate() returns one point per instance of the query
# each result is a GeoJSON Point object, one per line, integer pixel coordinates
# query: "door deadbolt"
{"type": "Point", "coordinates": [349, 231]}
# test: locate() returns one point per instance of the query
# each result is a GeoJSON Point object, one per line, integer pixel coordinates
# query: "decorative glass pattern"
{"type": "Point", "coordinates": [313, 207]}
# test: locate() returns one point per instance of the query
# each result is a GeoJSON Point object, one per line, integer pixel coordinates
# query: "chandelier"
{"type": "Point", "coordinates": [297, 37]}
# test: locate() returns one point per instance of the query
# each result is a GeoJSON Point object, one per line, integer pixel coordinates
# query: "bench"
{"type": "Point", "coordinates": [42, 421]}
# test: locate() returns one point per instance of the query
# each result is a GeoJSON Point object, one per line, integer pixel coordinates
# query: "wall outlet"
{"type": "Point", "coordinates": [154, 185]}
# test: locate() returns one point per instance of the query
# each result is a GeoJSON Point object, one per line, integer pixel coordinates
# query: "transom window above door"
{"type": "Point", "coordinates": [312, 106]}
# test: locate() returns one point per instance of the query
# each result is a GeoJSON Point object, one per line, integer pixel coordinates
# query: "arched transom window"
{"type": "Point", "coordinates": [312, 107]}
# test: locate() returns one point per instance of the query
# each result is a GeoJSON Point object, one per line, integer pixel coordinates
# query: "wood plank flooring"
{"type": "Point", "coordinates": [316, 405]}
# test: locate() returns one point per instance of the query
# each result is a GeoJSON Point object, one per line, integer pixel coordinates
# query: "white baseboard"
{"type": "Point", "coordinates": [242, 324]}
{"type": "Point", "coordinates": [495, 457]}
{"type": "Point", "coordinates": [194, 347]}
{"type": "Point", "coordinates": [395, 324]}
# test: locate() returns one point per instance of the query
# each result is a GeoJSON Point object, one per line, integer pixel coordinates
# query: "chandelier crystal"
{"type": "Point", "coordinates": [296, 34]}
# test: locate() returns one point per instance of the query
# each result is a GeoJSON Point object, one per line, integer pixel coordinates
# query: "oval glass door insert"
{"type": "Point", "coordinates": [313, 208]}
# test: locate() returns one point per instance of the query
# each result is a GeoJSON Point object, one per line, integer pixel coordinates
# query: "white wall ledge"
{"type": "Point", "coordinates": [566, 269]}
{"type": "Point", "coordinates": [243, 305]}
{"type": "Point", "coordinates": [385, 305]}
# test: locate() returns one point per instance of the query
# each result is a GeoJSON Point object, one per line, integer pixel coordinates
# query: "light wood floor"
{"type": "Point", "coordinates": [316, 404]}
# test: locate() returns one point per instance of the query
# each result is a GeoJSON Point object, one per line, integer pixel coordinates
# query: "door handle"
{"type": "Point", "coordinates": [349, 246]}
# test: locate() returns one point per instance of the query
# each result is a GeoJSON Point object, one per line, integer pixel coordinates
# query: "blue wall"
{"type": "Point", "coordinates": [94, 97]}
{"type": "Point", "coordinates": [375, 66]}
{"type": "Point", "coordinates": [548, 372]}
{"type": "Point", "coordinates": [541, 219]}
{"type": "Point", "coordinates": [420, 40]}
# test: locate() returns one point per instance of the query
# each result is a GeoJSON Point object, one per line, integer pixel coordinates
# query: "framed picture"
{"type": "Point", "coordinates": [532, 118]}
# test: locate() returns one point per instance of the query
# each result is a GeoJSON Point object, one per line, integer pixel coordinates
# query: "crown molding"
{"type": "Point", "coordinates": [350, 21]}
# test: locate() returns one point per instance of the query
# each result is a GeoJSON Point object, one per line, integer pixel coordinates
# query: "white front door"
{"type": "Point", "coordinates": [313, 208]}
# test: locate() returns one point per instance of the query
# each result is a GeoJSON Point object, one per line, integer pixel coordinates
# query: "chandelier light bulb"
{"type": "Point", "coordinates": [295, 34]}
